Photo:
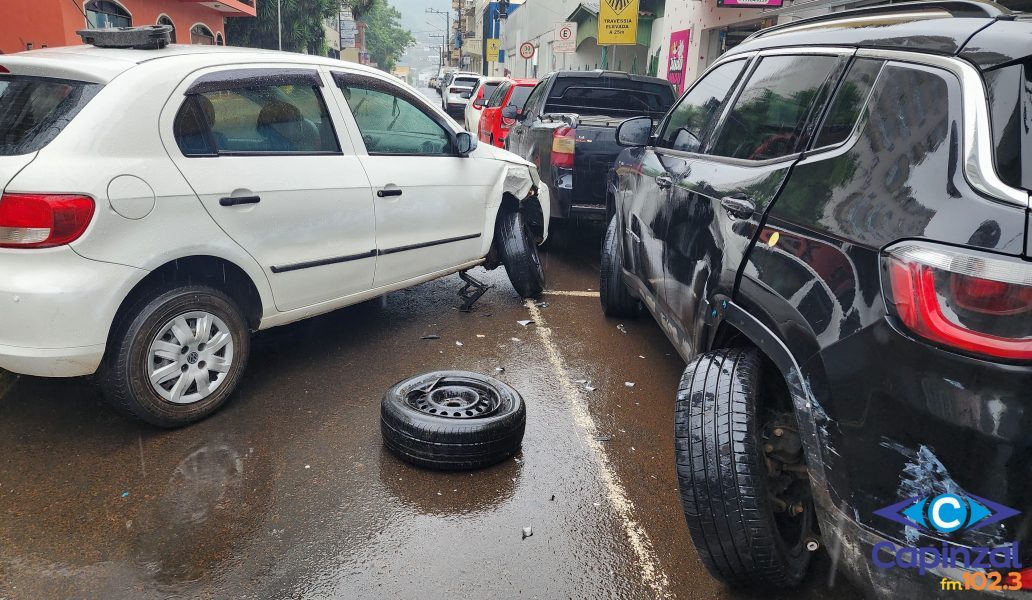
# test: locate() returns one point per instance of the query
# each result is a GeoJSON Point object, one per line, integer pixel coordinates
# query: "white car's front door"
{"type": "Point", "coordinates": [261, 150]}
{"type": "Point", "coordinates": [430, 203]}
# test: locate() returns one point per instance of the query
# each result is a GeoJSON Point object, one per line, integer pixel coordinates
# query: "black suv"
{"type": "Point", "coordinates": [831, 226]}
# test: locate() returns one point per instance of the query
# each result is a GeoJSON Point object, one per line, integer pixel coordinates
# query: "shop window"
{"type": "Point", "coordinates": [164, 20]}
{"type": "Point", "coordinates": [200, 34]}
{"type": "Point", "coordinates": [104, 13]}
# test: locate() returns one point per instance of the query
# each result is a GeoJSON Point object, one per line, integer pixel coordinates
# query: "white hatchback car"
{"type": "Point", "coordinates": [478, 100]}
{"type": "Point", "coordinates": [159, 205]}
{"type": "Point", "coordinates": [455, 96]}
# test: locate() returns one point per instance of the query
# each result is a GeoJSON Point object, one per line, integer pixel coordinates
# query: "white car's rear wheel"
{"type": "Point", "coordinates": [176, 355]}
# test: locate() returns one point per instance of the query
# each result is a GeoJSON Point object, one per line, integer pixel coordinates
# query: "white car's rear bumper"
{"type": "Point", "coordinates": [56, 309]}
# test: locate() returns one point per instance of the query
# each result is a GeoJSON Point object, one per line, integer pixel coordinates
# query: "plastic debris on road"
{"type": "Point", "coordinates": [432, 336]}
{"type": "Point", "coordinates": [622, 328]}
{"type": "Point", "coordinates": [527, 532]}
{"type": "Point", "coordinates": [629, 383]}
{"type": "Point", "coordinates": [525, 323]}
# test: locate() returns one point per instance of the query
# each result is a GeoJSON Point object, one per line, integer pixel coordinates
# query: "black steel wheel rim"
{"type": "Point", "coordinates": [455, 398]}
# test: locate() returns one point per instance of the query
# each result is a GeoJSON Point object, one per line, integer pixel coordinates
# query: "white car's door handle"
{"type": "Point", "coordinates": [238, 200]}
{"type": "Point", "coordinates": [388, 192]}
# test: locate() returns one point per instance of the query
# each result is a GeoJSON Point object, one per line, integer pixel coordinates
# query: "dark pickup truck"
{"type": "Point", "coordinates": [567, 128]}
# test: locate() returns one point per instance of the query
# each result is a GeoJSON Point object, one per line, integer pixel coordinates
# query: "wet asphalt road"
{"type": "Point", "coordinates": [288, 492]}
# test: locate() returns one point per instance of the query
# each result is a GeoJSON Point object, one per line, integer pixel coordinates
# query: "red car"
{"type": "Point", "coordinates": [493, 128]}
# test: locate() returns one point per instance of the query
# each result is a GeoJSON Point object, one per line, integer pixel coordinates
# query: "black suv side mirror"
{"type": "Point", "coordinates": [512, 112]}
{"type": "Point", "coordinates": [635, 132]}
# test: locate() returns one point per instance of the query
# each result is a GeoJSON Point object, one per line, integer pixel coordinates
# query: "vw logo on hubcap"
{"type": "Point", "coordinates": [192, 358]}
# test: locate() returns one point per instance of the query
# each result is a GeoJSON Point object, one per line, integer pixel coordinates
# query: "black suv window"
{"type": "Point", "coordinates": [685, 127]}
{"type": "Point", "coordinates": [1010, 106]}
{"type": "Point", "coordinates": [768, 118]}
{"type": "Point", "coordinates": [849, 100]}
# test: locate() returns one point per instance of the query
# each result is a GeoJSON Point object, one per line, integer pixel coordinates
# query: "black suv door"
{"type": "Point", "coordinates": [718, 195]}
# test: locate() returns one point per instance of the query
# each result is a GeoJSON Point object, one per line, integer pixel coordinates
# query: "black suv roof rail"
{"type": "Point", "coordinates": [956, 8]}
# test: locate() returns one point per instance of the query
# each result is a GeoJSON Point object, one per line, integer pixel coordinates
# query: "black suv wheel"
{"type": "Point", "coordinates": [739, 467]}
{"type": "Point", "coordinates": [617, 300]}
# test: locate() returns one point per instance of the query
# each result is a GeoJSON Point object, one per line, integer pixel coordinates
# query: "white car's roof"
{"type": "Point", "coordinates": [101, 65]}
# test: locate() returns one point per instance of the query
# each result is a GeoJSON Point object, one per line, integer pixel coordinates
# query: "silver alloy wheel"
{"type": "Point", "coordinates": [190, 357]}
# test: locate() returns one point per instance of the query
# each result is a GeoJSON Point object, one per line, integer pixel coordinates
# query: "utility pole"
{"type": "Point", "coordinates": [279, 22]}
{"type": "Point", "coordinates": [441, 53]}
{"type": "Point", "coordinates": [447, 25]}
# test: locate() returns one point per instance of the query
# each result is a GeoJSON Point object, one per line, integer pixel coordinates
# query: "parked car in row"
{"type": "Point", "coordinates": [493, 128]}
{"type": "Point", "coordinates": [568, 129]}
{"type": "Point", "coordinates": [456, 92]}
{"type": "Point", "coordinates": [160, 205]}
{"type": "Point", "coordinates": [831, 226]}
{"type": "Point", "coordinates": [484, 89]}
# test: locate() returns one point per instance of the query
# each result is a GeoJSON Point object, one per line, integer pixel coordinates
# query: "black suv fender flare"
{"type": "Point", "coordinates": [807, 409]}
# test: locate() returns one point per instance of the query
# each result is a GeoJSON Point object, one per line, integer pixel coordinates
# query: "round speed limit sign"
{"type": "Point", "coordinates": [527, 50]}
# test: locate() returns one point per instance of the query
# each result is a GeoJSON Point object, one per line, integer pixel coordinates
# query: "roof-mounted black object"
{"type": "Point", "coordinates": [149, 37]}
{"type": "Point", "coordinates": [955, 8]}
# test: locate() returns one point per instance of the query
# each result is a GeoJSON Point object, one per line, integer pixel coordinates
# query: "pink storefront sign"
{"type": "Point", "coordinates": [751, 3]}
{"type": "Point", "coordinates": [677, 60]}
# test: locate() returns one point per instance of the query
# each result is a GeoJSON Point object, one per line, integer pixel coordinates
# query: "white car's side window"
{"type": "Point", "coordinates": [235, 112]}
{"type": "Point", "coordinates": [392, 123]}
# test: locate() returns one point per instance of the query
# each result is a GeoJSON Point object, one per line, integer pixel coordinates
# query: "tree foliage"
{"type": "Point", "coordinates": [302, 26]}
{"type": "Point", "coordinates": [358, 7]}
{"type": "Point", "coordinates": [386, 39]}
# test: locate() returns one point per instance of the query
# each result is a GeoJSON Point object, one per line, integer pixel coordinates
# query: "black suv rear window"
{"type": "Point", "coordinates": [33, 110]}
{"type": "Point", "coordinates": [1010, 108]}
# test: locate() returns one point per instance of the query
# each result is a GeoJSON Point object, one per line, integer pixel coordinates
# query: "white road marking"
{"type": "Point", "coordinates": [576, 294]}
{"type": "Point", "coordinates": [652, 574]}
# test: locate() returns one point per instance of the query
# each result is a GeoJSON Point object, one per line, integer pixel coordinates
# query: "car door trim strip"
{"type": "Point", "coordinates": [341, 259]}
{"type": "Point", "coordinates": [323, 262]}
{"type": "Point", "coordinates": [461, 238]}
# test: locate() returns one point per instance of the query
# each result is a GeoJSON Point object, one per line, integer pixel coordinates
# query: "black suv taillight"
{"type": "Point", "coordinates": [963, 299]}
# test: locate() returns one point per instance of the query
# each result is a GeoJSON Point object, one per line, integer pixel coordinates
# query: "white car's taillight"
{"type": "Point", "coordinates": [43, 220]}
{"type": "Point", "coordinates": [963, 299]}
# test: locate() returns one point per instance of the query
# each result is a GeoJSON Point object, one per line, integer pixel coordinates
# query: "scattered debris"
{"type": "Point", "coordinates": [432, 336]}
{"type": "Point", "coordinates": [640, 356]}
{"type": "Point", "coordinates": [622, 328]}
{"type": "Point", "coordinates": [629, 383]}
{"type": "Point", "coordinates": [525, 323]}
{"type": "Point", "coordinates": [590, 388]}
{"type": "Point", "coordinates": [499, 369]}
{"type": "Point", "coordinates": [125, 494]}
{"type": "Point", "coordinates": [516, 339]}
{"type": "Point", "coordinates": [603, 438]}
{"type": "Point", "coordinates": [480, 335]}
{"type": "Point", "coordinates": [553, 498]}
{"type": "Point", "coordinates": [308, 466]}
{"type": "Point", "coordinates": [458, 343]}
{"type": "Point", "coordinates": [597, 503]}
{"type": "Point", "coordinates": [580, 381]}
{"type": "Point", "coordinates": [541, 304]}
{"type": "Point", "coordinates": [527, 532]}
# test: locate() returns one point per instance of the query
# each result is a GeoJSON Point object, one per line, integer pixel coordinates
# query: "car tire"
{"type": "Point", "coordinates": [452, 421]}
{"type": "Point", "coordinates": [519, 254]}
{"type": "Point", "coordinates": [616, 298]}
{"type": "Point", "coordinates": [723, 475]}
{"type": "Point", "coordinates": [142, 347]}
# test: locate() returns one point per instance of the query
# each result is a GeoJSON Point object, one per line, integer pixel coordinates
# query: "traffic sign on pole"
{"type": "Point", "coordinates": [565, 38]}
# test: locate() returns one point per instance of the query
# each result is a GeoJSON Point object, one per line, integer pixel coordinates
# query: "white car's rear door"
{"type": "Point", "coordinates": [430, 203]}
{"type": "Point", "coordinates": [259, 146]}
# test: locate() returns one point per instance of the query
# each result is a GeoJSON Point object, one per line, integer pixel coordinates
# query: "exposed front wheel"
{"type": "Point", "coordinates": [744, 487]}
{"type": "Point", "coordinates": [176, 356]}
{"type": "Point", "coordinates": [519, 254]}
{"type": "Point", "coordinates": [617, 300]}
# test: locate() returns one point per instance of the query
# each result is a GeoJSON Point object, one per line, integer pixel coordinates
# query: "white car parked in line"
{"type": "Point", "coordinates": [159, 205]}
{"type": "Point", "coordinates": [478, 100]}
{"type": "Point", "coordinates": [455, 95]}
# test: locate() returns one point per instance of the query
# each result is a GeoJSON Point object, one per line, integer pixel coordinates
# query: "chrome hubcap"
{"type": "Point", "coordinates": [190, 357]}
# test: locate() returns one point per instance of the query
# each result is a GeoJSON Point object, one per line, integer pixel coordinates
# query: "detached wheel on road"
{"type": "Point", "coordinates": [176, 356]}
{"type": "Point", "coordinates": [745, 492]}
{"type": "Point", "coordinates": [617, 300]}
{"type": "Point", "coordinates": [519, 254]}
{"type": "Point", "coordinates": [452, 421]}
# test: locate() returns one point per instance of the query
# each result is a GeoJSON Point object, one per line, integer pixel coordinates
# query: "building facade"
{"type": "Point", "coordinates": [32, 24]}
